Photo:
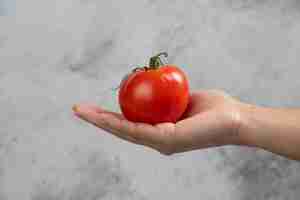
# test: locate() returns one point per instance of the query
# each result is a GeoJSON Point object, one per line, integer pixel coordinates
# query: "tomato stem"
{"type": "Point", "coordinates": [156, 62]}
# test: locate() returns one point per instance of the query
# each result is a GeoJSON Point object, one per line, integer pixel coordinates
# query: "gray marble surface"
{"type": "Point", "coordinates": [54, 53]}
{"type": "Point", "coordinates": [7, 7]}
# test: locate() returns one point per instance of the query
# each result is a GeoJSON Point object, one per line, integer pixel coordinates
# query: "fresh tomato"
{"type": "Point", "coordinates": [155, 94]}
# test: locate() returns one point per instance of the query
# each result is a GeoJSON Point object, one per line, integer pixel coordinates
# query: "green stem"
{"type": "Point", "coordinates": [156, 62]}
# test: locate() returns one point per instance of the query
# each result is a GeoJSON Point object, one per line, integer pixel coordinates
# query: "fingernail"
{"type": "Point", "coordinates": [75, 108]}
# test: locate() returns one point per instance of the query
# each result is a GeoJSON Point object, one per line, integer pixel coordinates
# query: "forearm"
{"type": "Point", "coordinates": [275, 130]}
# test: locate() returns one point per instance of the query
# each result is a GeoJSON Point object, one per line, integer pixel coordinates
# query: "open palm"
{"type": "Point", "coordinates": [211, 119]}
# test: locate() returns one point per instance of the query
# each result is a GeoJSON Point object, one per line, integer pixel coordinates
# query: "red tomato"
{"type": "Point", "coordinates": [155, 94]}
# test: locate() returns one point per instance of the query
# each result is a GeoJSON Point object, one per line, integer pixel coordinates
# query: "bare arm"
{"type": "Point", "coordinates": [273, 129]}
{"type": "Point", "coordinates": [213, 118]}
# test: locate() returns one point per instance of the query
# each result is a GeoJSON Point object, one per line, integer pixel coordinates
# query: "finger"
{"type": "Point", "coordinates": [138, 133]}
{"type": "Point", "coordinates": [95, 108]}
{"type": "Point", "coordinates": [90, 106]}
{"type": "Point", "coordinates": [157, 137]}
{"type": "Point", "coordinates": [92, 115]}
{"type": "Point", "coordinates": [141, 132]}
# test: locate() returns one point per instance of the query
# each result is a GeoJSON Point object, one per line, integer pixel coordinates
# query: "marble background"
{"type": "Point", "coordinates": [7, 7]}
{"type": "Point", "coordinates": [54, 53]}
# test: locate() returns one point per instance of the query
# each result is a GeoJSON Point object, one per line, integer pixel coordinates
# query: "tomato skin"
{"type": "Point", "coordinates": [155, 95]}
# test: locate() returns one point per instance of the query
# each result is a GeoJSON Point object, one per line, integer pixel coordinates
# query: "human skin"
{"type": "Point", "coordinates": [213, 118]}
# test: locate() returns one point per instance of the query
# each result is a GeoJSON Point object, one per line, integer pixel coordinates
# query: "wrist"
{"type": "Point", "coordinates": [246, 132]}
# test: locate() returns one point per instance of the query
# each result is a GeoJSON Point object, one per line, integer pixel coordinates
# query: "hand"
{"type": "Point", "coordinates": [211, 119]}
